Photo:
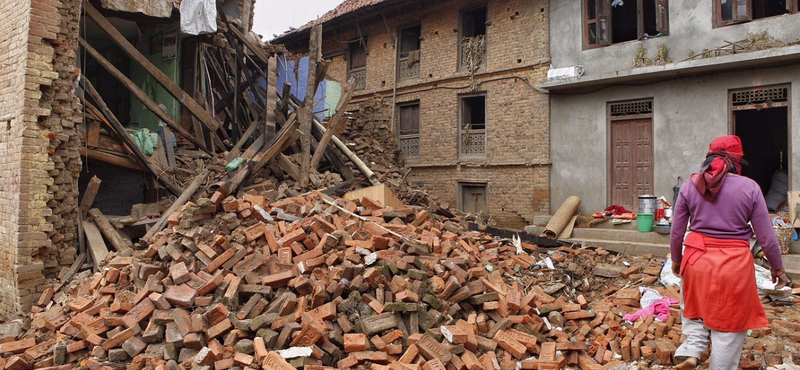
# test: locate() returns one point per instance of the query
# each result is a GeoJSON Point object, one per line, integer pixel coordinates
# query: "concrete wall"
{"type": "Point", "coordinates": [690, 25]}
{"type": "Point", "coordinates": [516, 167]}
{"type": "Point", "coordinates": [39, 158]}
{"type": "Point", "coordinates": [688, 114]}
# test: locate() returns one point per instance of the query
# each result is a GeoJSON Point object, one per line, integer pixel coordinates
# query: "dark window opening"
{"type": "Point", "coordinates": [473, 22]}
{"type": "Point", "coordinates": [472, 130]}
{"type": "Point", "coordinates": [409, 40]}
{"type": "Point", "coordinates": [474, 112]}
{"type": "Point", "coordinates": [738, 11]}
{"type": "Point", "coordinates": [605, 24]}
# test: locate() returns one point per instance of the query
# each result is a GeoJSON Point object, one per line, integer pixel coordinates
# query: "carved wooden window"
{"type": "Point", "coordinates": [408, 63]}
{"type": "Point", "coordinates": [408, 129]}
{"type": "Point", "coordinates": [358, 63]}
{"type": "Point", "coordinates": [472, 45]}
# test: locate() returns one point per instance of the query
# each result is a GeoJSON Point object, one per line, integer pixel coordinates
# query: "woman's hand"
{"type": "Point", "coordinates": [779, 278]}
{"type": "Point", "coordinates": [676, 269]}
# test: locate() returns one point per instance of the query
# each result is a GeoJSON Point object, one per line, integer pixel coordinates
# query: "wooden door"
{"type": "Point", "coordinates": [631, 161]}
{"type": "Point", "coordinates": [473, 198]}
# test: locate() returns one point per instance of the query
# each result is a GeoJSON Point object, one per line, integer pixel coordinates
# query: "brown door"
{"type": "Point", "coordinates": [473, 198]}
{"type": "Point", "coordinates": [631, 161]}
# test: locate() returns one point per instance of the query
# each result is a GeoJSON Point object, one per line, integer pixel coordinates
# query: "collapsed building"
{"type": "Point", "coordinates": [240, 244]}
{"type": "Point", "coordinates": [459, 85]}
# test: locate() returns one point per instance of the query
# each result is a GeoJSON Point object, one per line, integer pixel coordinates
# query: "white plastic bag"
{"type": "Point", "coordinates": [667, 278]}
{"type": "Point", "coordinates": [198, 16]}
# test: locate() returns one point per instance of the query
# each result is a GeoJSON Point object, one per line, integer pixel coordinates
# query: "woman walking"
{"type": "Point", "coordinates": [719, 295]}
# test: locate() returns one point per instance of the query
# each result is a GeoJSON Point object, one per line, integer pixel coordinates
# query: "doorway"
{"type": "Point", "coordinates": [631, 152]}
{"type": "Point", "coordinates": [473, 197]}
{"type": "Point", "coordinates": [760, 117]}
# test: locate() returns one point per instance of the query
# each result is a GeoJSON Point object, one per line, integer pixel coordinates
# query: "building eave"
{"type": "Point", "coordinates": [644, 75]}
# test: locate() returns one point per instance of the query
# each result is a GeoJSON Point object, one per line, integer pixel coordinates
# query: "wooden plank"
{"type": "Point", "coordinates": [287, 166]}
{"type": "Point", "coordinates": [111, 233]}
{"type": "Point", "coordinates": [76, 265]}
{"type": "Point", "coordinates": [97, 247]}
{"type": "Point", "coordinates": [92, 132]}
{"type": "Point", "coordinates": [306, 112]}
{"type": "Point", "coordinates": [380, 193]}
{"type": "Point", "coordinates": [123, 134]}
{"type": "Point", "coordinates": [187, 101]}
{"type": "Point", "coordinates": [142, 96]}
{"type": "Point", "coordinates": [90, 194]}
{"type": "Point", "coordinates": [272, 99]}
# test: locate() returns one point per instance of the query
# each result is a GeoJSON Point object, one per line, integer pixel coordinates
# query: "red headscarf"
{"type": "Point", "coordinates": [724, 155]}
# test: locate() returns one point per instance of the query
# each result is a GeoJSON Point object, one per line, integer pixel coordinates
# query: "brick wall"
{"type": "Point", "coordinates": [39, 145]}
{"type": "Point", "coordinates": [516, 166]}
{"type": "Point", "coordinates": [14, 28]}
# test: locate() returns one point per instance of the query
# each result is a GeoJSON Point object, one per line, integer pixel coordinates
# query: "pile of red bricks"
{"type": "Point", "coordinates": [313, 282]}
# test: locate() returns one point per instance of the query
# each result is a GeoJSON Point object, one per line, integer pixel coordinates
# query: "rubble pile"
{"type": "Point", "coordinates": [369, 133]}
{"type": "Point", "coordinates": [315, 282]}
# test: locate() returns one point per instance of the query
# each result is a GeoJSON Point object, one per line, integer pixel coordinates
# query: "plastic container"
{"type": "Point", "coordinates": [645, 221]}
{"type": "Point", "coordinates": [647, 204]}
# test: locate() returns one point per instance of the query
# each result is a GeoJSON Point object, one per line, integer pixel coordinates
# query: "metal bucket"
{"type": "Point", "coordinates": [647, 204]}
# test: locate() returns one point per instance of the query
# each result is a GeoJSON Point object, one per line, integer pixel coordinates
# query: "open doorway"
{"type": "Point", "coordinates": [763, 125]}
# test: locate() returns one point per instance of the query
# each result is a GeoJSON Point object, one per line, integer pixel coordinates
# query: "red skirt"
{"type": "Point", "coordinates": [719, 284]}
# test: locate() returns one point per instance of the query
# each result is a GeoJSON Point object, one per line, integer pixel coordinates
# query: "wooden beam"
{"type": "Point", "coordinates": [334, 123]}
{"type": "Point", "coordinates": [187, 101]}
{"type": "Point", "coordinates": [89, 194]}
{"type": "Point", "coordinates": [112, 158]}
{"type": "Point", "coordinates": [287, 166]}
{"type": "Point", "coordinates": [97, 247]}
{"type": "Point", "coordinates": [142, 96]}
{"type": "Point", "coordinates": [111, 233]}
{"type": "Point", "coordinates": [272, 99]}
{"type": "Point", "coordinates": [306, 113]}
{"type": "Point", "coordinates": [123, 134]}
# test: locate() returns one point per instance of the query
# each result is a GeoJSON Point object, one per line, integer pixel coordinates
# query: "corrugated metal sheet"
{"type": "Point", "coordinates": [153, 8]}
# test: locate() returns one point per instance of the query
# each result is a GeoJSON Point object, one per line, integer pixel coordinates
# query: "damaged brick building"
{"type": "Point", "coordinates": [40, 141]}
{"type": "Point", "coordinates": [459, 81]}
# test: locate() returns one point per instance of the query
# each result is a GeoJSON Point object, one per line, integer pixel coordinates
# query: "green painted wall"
{"type": "Point", "coordinates": [140, 115]}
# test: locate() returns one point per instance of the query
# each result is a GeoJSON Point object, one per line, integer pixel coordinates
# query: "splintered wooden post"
{"type": "Point", "coordinates": [89, 194]}
{"type": "Point", "coordinates": [306, 113]}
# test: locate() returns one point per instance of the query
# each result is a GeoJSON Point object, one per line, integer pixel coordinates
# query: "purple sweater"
{"type": "Point", "coordinates": [740, 201]}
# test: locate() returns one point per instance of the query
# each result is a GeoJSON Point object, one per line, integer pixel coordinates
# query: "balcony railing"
{"type": "Point", "coordinates": [360, 76]}
{"type": "Point", "coordinates": [409, 146]}
{"type": "Point", "coordinates": [407, 71]}
{"type": "Point", "coordinates": [473, 142]}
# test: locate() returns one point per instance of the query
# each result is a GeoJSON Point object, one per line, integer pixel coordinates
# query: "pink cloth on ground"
{"type": "Point", "coordinates": [660, 308]}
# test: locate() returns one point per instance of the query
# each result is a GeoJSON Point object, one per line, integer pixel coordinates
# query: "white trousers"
{"type": "Point", "coordinates": [727, 346]}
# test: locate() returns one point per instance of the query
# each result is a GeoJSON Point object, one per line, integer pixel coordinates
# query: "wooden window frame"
{"type": "Point", "coordinates": [603, 17]}
{"type": "Point", "coordinates": [402, 57]}
{"type": "Point", "coordinates": [461, 99]}
{"type": "Point", "coordinates": [459, 42]}
{"type": "Point", "coordinates": [792, 6]}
